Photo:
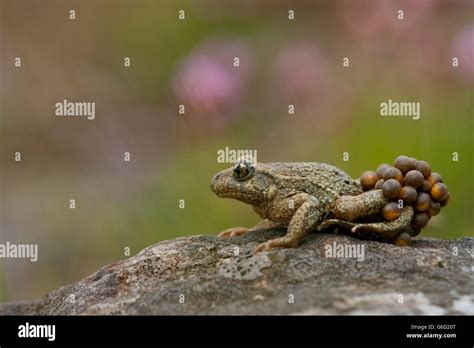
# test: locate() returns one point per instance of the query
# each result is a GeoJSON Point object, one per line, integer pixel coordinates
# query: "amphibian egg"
{"type": "Point", "coordinates": [439, 191]}
{"type": "Point", "coordinates": [381, 169]}
{"type": "Point", "coordinates": [391, 188]}
{"type": "Point", "coordinates": [434, 178]}
{"type": "Point", "coordinates": [393, 173]}
{"type": "Point", "coordinates": [444, 201]}
{"type": "Point", "coordinates": [414, 178]}
{"type": "Point", "coordinates": [434, 209]}
{"type": "Point", "coordinates": [404, 164]}
{"type": "Point", "coordinates": [391, 211]}
{"type": "Point", "coordinates": [424, 168]}
{"type": "Point", "coordinates": [408, 194]}
{"type": "Point", "coordinates": [403, 239]}
{"type": "Point", "coordinates": [368, 180]}
{"type": "Point", "coordinates": [379, 184]}
{"type": "Point", "coordinates": [426, 186]}
{"type": "Point", "coordinates": [423, 202]}
{"type": "Point", "coordinates": [421, 220]}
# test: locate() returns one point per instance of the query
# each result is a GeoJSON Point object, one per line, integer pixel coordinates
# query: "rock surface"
{"type": "Point", "coordinates": [205, 275]}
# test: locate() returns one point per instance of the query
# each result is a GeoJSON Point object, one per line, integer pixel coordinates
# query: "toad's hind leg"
{"type": "Point", "coordinates": [389, 229]}
{"type": "Point", "coordinates": [352, 208]}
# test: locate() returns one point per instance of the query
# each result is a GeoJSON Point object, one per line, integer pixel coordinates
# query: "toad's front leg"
{"type": "Point", "coordinates": [239, 231]}
{"type": "Point", "coordinates": [303, 221]}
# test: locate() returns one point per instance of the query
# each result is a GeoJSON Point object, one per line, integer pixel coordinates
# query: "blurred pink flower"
{"type": "Point", "coordinates": [208, 83]}
{"type": "Point", "coordinates": [300, 72]}
{"type": "Point", "coordinates": [367, 20]}
{"type": "Point", "coordinates": [416, 44]}
{"type": "Point", "coordinates": [463, 49]}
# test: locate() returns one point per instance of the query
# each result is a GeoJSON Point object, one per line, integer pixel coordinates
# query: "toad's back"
{"type": "Point", "coordinates": [318, 179]}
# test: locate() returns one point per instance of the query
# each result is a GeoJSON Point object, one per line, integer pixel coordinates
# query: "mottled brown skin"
{"type": "Point", "coordinates": [304, 197]}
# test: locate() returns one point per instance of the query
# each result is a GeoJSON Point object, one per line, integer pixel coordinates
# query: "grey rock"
{"type": "Point", "coordinates": [206, 275]}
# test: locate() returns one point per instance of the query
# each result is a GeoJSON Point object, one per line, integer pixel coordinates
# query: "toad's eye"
{"type": "Point", "coordinates": [243, 171]}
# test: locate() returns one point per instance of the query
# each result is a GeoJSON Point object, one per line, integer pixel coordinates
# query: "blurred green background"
{"type": "Point", "coordinates": [191, 62]}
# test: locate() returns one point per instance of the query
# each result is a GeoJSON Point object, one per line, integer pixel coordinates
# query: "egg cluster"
{"type": "Point", "coordinates": [412, 182]}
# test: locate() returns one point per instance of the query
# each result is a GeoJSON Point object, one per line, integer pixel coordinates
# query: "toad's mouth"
{"type": "Point", "coordinates": [237, 195]}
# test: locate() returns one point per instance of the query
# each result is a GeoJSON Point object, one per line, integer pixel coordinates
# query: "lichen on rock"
{"type": "Point", "coordinates": [207, 275]}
